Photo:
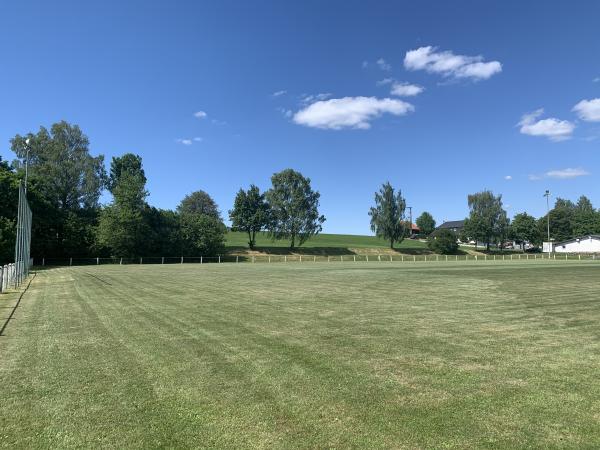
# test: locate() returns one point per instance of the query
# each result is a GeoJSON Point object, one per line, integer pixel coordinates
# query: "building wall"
{"type": "Point", "coordinates": [585, 245]}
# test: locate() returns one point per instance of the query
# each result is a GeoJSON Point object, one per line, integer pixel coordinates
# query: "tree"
{"type": "Point", "coordinates": [387, 214]}
{"type": "Point", "coordinates": [123, 228]}
{"type": "Point", "coordinates": [199, 202]}
{"type": "Point", "coordinates": [444, 242]}
{"type": "Point", "coordinates": [68, 175]}
{"type": "Point", "coordinates": [487, 220]}
{"type": "Point", "coordinates": [426, 223]}
{"type": "Point", "coordinates": [8, 212]}
{"type": "Point", "coordinates": [524, 228]}
{"type": "Point", "coordinates": [561, 221]}
{"type": "Point", "coordinates": [250, 213]}
{"type": "Point", "coordinates": [585, 219]}
{"type": "Point", "coordinates": [64, 186]}
{"type": "Point", "coordinates": [202, 234]}
{"type": "Point", "coordinates": [294, 208]}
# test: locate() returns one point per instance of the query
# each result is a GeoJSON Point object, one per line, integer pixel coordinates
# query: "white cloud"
{"type": "Point", "coordinates": [286, 112]}
{"type": "Point", "coordinates": [406, 89]}
{"type": "Point", "coordinates": [385, 81]}
{"type": "Point", "coordinates": [596, 80]}
{"type": "Point", "coordinates": [200, 115]}
{"type": "Point", "coordinates": [310, 98]}
{"type": "Point", "coordinates": [279, 93]}
{"type": "Point", "coordinates": [349, 112]}
{"type": "Point", "coordinates": [447, 64]}
{"type": "Point", "coordinates": [534, 177]}
{"type": "Point", "coordinates": [588, 110]}
{"type": "Point", "coordinates": [508, 177]}
{"type": "Point", "coordinates": [567, 173]}
{"type": "Point", "coordinates": [187, 141]}
{"type": "Point", "coordinates": [365, 64]}
{"type": "Point", "coordinates": [553, 129]}
{"type": "Point", "coordinates": [383, 64]}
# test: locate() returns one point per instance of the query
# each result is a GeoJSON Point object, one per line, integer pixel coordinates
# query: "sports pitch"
{"type": "Point", "coordinates": [314, 355]}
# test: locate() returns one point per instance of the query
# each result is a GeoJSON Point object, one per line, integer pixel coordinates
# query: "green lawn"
{"type": "Point", "coordinates": [312, 355]}
{"type": "Point", "coordinates": [235, 239]}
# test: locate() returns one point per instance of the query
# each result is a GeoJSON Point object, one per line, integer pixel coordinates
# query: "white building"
{"type": "Point", "coordinates": [584, 244]}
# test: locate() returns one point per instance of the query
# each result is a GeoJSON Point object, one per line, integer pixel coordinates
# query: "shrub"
{"type": "Point", "coordinates": [444, 242]}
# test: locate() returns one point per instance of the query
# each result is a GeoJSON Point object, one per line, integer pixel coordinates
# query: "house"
{"type": "Point", "coordinates": [452, 225]}
{"type": "Point", "coordinates": [583, 244]}
{"type": "Point", "coordinates": [414, 229]}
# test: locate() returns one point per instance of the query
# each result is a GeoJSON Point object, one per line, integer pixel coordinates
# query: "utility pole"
{"type": "Point", "coordinates": [547, 195]}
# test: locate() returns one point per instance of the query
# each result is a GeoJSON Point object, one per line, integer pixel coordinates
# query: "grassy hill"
{"type": "Point", "coordinates": [323, 244]}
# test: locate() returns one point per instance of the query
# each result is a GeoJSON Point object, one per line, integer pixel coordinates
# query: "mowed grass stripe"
{"type": "Point", "coordinates": [315, 355]}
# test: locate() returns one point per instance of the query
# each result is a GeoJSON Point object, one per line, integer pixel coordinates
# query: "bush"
{"type": "Point", "coordinates": [444, 242]}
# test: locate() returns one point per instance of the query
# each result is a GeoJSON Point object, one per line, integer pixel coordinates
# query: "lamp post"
{"type": "Point", "coordinates": [409, 220]}
{"type": "Point", "coordinates": [547, 195]}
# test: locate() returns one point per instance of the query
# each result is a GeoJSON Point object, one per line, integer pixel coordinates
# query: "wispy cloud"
{"type": "Point", "coordinates": [588, 110]}
{"type": "Point", "coordinates": [385, 81]}
{"type": "Point", "coordinates": [596, 80]}
{"type": "Point", "coordinates": [508, 177]}
{"type": "Point", "coordinates": [188, 141]}
{"type": "Point", "coordinates": [383, 64]}
{"type": "Point", "coordinates": [349, 112]}
{"type": "Point", "coordinates": [406, 89]}
{"type": "Point", "coordinates": [305, 99]}
{"type": "Point", "coordinates": [200, 115]}
{"type": "Point", "coordinates": [567, 173]}
{"type": "Point", "coordinates": [288, 113]}
{"type": "Point", "coordinates": [279, 93]}
{"type": "Point", "coordinates": [552, 128]}
{"type": "Point", "coordinates": [447, 64]}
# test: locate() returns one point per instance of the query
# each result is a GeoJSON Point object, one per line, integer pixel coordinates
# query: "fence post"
{"type": "Point", "coordinates": [201, 259]}
{"type": "Point", "coordinates": [162, 261]}
{"type": "Point", "coordinates": [391, 258]}
{"type": "Point", "coordinates": [402, 258]}
{"type": "Point", "coordinates": [354, 258]}
{"type": "Point", "coordinates": [379, 258]}
{"type": "Point", "coordinates": [43, 261]}
{"type": "Point", "coordinates": [284, 258]}
{"type": "Point", "coordinates": [269, 258]}
{"type": "Point", "coordinates": [580, 257]}
{"type": "Point", "coordinates": [327, 258]}
{"type": "Point", "coordinates": [97, 261]}
{"type": "Point", "coordinates": [141, 260]}
{"type": "Point", "coordinates": [300, 258]}
{"type": "Point", "coordinates": [475, 257]}
{"type": "Point", "coordinates": [121, 262]}
{"type": "Point", "coordinates": [219, 259]}
{"type": "Point", "coordinates": [367, 258]}
{"type": "Point", "coordinates": [237, 258]}
{"type": "Point", "coordinates": [70, 261]}
{"type": "Point", "coordinates": [342, 258]}
{"type": "Point", "coordinates": [181, 260]}
{"type": "Point", "coordinates": [437, 257]}
{"type": "Point", "coordinates": [414, 258]}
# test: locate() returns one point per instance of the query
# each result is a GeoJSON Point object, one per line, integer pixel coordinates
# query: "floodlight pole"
{"type": "Point", "coordinates": [410, 220]}
{"type": "Point", "coordinates": [547, 195]}
{"type": "Point", "coordinates": [26, 163]}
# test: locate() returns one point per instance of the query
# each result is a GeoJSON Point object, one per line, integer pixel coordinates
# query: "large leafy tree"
{"type": "Point", "coordinates": [250, 213]}
{"type": "Point", "coordinates": [294, 208]}
{"type": "Point", "coordinates": [426, 223]}
{"type": "Point", "coordinates": [586, 220]}
{"type": "Point", "coordinates": [487, 221]}
{"type": "Point", "coordinates": [202, 230]}
{"type": "Point", "coordinates": [561, 221]}
{"type": "Point", "coordinates": [64, 186]}
{"type": "Point", "coordinates": [8, 211]}
{"type": "Point", "coordinates": [123, 228]}
{"type": "Point", "coordinates": [199, 202]}
{"type": "Point", "coordinates": [388, 213]}
{"type": "Point", "coordinates": [524, 228]}
{"type": "Point", "coordinates": [68, 176]}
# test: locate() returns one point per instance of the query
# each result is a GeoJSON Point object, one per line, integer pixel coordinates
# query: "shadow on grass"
{"type": "Point", "coordinates": [317, 251]}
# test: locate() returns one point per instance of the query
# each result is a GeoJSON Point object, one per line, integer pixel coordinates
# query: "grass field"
{"type": "Point", "coordinates": [331, 242]}
{"type": "Point", "coordinates": [318, 355]}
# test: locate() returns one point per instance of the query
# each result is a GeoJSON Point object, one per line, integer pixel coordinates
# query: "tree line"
{"type": "Point", "coordinates": [65, 183]}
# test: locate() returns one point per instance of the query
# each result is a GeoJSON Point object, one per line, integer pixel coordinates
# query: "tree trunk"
{"type": "Point", "coordinates": [293, 241]}
{"type": "Point", "coordinates": [392, 244]}
{"type": "Point", "coordinates": [250, 240]}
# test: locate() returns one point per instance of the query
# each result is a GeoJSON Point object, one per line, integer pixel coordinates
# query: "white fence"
{"type": "Point", "coordinates": [307, 259]}
{"type": "Point", "coordinates": [8, 274]}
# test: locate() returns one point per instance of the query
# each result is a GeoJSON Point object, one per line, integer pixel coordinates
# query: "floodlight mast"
{"type": "Point", "coordinates": [26, 162]}
{"type": "Point", "coordinates": [547, 195]}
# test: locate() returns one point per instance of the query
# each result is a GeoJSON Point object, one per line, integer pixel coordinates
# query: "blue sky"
{"type": "Point", "coordinates": [442, 99]}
